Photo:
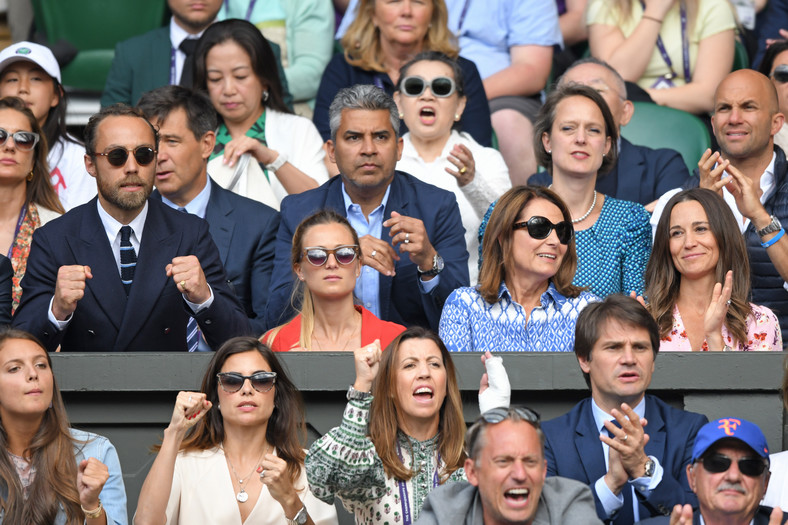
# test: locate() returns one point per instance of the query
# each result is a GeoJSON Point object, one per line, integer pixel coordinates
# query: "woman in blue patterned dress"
{"type": "Point", "coordinates": [576, 140]}
{"type": "Point", "coordinates": [525, 300]}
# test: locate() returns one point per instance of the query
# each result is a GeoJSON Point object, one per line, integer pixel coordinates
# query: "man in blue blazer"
{"type": "Point", "coordinates": [244, 230]}
{"type": "Point", "coordinates": [124, 272]}
{"type": "Point", "coordinates": [634, 471]}
{"type": "Point", "coordinates": [641, 174]}
{"type": "Point", "coordinates": [157, 58]}
{"type": "Point", "coordinates": [411, 235]}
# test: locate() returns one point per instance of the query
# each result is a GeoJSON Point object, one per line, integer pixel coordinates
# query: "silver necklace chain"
{"type": "Point", "coordinates": [242, 496]}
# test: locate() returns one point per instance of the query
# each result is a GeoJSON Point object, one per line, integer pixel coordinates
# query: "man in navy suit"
{"type": "Point", "coordinates": [411, 235]}
{"type": "Point", "coordinates": [123, 272]}
{"type": "Point", "coordinates": [244, 230]}
{"type": "Point", "coordinates": [635, 471]}
{"type": "Point", "coordinates": [641, 174]}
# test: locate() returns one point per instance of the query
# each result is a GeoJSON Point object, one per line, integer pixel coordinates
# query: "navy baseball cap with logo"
{"type": "Point", "coordinates": [31, 52]}
{"type": "Point", "coordinates": [730, 428]}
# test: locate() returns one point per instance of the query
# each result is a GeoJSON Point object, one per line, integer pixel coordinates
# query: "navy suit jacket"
{"type": "Point", "coordinates": [761, 517]}
{"type": "Point", "coordinates": [641, 174]}
{"type": "Point", "coordinates": [573, 450]}
{"type": "Point", "coordinates": [154, 315]}
{"type": "Point", "coordinates": [142, 63]}
{"type": "Point", "coordinates": [401, 300]}
{"type": "Point", "coordinates": [244, 231]}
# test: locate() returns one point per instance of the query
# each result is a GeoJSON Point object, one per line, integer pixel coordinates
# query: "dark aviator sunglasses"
{"type": "Point", "coordinates": [540, 227]}
{"type": "Point", "coordinates": [717, 463]}
{"type": "Point", "coordinates": [117, 157]}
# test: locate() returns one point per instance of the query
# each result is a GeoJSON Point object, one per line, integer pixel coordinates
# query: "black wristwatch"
{"type": "Point", "coordinates": [772, 227]}
{"type": "Point", "coordinates": [437, 267]}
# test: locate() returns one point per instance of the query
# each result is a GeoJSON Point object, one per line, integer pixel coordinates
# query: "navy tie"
{"type": "Point", "coordinates": [128, 258]}
{"type": "Point", "coordinates": [192, 328]}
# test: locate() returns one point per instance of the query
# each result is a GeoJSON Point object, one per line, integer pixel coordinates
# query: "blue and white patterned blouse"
{"type": "Point", "coordinates": [612, 254]}
{"type": "Point", "coordinates": [471, 324]}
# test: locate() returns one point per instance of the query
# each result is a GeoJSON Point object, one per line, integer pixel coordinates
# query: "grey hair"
{"type": "Point", "coordinates": [620, 86]}
{"type": "Point", "coordinates": [474, 437]}
{"type": "Point", "coordinates": [361, 96]}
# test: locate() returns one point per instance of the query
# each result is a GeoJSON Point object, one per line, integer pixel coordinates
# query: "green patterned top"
{"type": "Point", "coordinates": [257, 131]}
{"type": "Point", "coordinates": [344, 463]}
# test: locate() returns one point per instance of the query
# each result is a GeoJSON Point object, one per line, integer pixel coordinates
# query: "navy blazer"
{"type": "Point", "coordinates": [641, 174]}
{"type": "Point", "coordinates": [154, 315]}
{"type": "Point", "coordinates": [401, 300]}
{"type": "Point", "coordinates": [761, 517]}
{"type": "Point", "coordinates": [573, 450]}
{"type": "Point", "coordinates": [6, 286]}
{"type": "Point", "coordinates": [142, 63]}
{"type": "Point", "coordinates": [244, 231]}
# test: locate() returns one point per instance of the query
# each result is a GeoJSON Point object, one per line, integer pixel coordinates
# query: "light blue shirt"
{"type": "Point", "coordinates": [610, 502]}
{"type": "Point", "coordinates": [471, 324]}
{"type": "Point", "coordinates": [198, 205]}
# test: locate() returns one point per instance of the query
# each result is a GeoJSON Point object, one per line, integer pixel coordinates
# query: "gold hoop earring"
{"type": "Point", "coordinates": [30, 175]}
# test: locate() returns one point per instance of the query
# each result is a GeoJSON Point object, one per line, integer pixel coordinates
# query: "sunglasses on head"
{"type": "Point", "coordinates": [117, 157]}
{"type": "Point", "coordinates": [540, 227]}
{"type": "Point", "coordinates": [343, 254]}
{"type": "Point", "coordinates": [24, 140]}
{"type": "Point", "coordinates": [232, 382]}
{"type": "Point", "coordinates": [441, 86]}
{"type": "Point", "coordinates": [496, 415]}
{"type": "Point", "coordinates": [717, 463]}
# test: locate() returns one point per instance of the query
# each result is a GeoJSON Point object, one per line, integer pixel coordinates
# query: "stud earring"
{"type": "Point", "coordinates": [456, 117]}
{"type": "Point", "coordinates": [401, 115]}
{"type": "Point", "coordinates": [30, 175]}
{"type": "Point", "coordinates": [549, 152]}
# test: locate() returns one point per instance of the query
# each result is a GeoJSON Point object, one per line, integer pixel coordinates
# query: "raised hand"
{"type": "Point", "coordinates": [69, 289]}
{"type": "Point", "coordinates": [367, 360]}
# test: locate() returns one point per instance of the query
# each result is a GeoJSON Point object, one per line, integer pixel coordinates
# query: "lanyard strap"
{"type": "Point", "coordinates": [462, 16]}
{"type": "Point", "coordinates": [173, 78]}
{"type": "Point", "coordinates": [684, 46]}
{"type": "Point", "coordinates": [248, 10]}
{"type": "Point", "coordinates": [19, 222]}
{"type": "Point", "coordinates": [404, 497]}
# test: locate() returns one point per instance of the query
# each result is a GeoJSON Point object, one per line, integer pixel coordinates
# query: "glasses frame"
{"type": "Point", "coordinates": [425, 83]}
{"type": "Point", "coordinates": [266, 375]}
{"type": "Point", "coordinates": [741, 462]}
{"type": "Point", "coordinates": [499, 414]}
{"type": "Point", "coordinates": [126, 157]}
{"type": "Point", "coordinates": [532, 223]}
{"type": "Point", "coordinates": [780, 73]}
{"type": "Point", "coordinates": [17, 145]}
{"type": "Point", "coordinates": [355, 247]}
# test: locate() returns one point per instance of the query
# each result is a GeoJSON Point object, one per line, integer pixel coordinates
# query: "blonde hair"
{"type": "Point", "coordinates": [362, 39]}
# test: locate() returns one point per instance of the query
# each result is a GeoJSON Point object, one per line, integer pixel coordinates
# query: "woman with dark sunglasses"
{"type": "Point", "coordinates": [325, 258]}
{"type": "Point", "coordinates": [431, 98]}
{"type": "Point", "coordinates": [27, 199]}
{"type": "Point", "coordinates": [525, 300]}
{"type": "Point", "coordinates": [402, 433]}
{"type": "Point", "coordinates": [698, 279]}
{"type": "Point", "coordinates": [233, 451]}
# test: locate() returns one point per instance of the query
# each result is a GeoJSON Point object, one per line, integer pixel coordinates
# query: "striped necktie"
{"type": "Point", "coordinates": [128, 258]}
{"type": "Point", "coordinates": [192, 328]}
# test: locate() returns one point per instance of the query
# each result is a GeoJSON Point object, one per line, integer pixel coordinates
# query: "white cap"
{"type": "Point", "coordinates": [31, 52]}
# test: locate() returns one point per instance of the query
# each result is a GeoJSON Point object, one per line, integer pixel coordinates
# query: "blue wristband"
{"type": "Point", "coordinates": [773, 239]}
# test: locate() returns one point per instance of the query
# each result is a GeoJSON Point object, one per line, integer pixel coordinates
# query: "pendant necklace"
{"type": "Point", "coordinates": [242, 496]}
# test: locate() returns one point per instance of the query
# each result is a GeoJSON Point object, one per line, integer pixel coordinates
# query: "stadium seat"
{"type": "Point", "coordinates": [663, 127]}
{"type": "Point", "coordinates": [93, 27]}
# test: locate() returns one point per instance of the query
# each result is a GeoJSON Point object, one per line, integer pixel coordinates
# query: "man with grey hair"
{"type": "Point", "coordinates": [412, 241]}
{"type": "Point", "coordinates": [507, 479]}
{"type": "Point", "coordinates": [641, 174]}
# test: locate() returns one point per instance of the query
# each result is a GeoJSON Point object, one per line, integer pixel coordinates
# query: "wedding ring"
{"type": "Point", "coordinates": [190, 399]}
{"type": "Point", "coordinates": [373, 254]}
{"type": "Point", "coordinates": [626, 436]}
{"type": "Point", "coordinates": [463, 170]}
{"type": "Point", "coordinates": [262, 474]}
{"type": "Point", "coordinates": [729, 302]}
{"type": "Point", "coordinates": [407, 237]}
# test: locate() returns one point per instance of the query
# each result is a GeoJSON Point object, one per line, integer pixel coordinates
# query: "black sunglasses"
{"type": "Point", "coordinates": [117, 157]}
{"type": "Point", "coordinates": [441, 86]}
{"type": "Point", "coordinates": [716, 463]}
{"type": "Point", "coordinates": [780, 73]}
{"type": "Point", "coordinates": [540, 227]}
{"type": "Point", "coordinates": [343, 254]}
{"type": "Point", "coordinates": [232, 382]}
{"type": "Point", "coordinates": [496, 415]}
{"type": "Point", "coordinates": [24, 140]}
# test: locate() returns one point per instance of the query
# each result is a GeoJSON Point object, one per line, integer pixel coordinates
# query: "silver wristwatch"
{"type": "Point", "coordinates": [352, 393]}
{"type": "Point", "coordinates": [437, 267]}
{"type": "Point", "coordinates": [299, 519]}
{"type": "Point", "coordinates": [772, 227]}
{"type": "Point", "coordinates": [277, 163]}
{"type": "Point", "coordinates": [650, 467]}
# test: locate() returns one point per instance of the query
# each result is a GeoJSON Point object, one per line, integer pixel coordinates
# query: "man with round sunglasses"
{"type": "Point", "coordinates": [729, 472]}
{"type": "Point", "coordinates": [244, 230]}
{"type": "Point", "coordinates": [631, 448]}
{"type": "Point", "coordinates": [412, 242]}
{"type": "Point", "coordinates": [507, 483]}
{"type": "Point", "coordinates": [125, 272]}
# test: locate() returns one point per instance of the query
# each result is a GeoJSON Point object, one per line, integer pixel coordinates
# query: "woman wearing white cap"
{"type": "Point", "coordinates": [29, 71]}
